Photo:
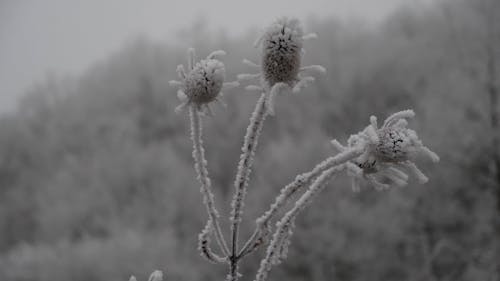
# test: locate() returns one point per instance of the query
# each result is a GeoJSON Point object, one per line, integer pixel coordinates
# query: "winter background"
{"type": "Point", "coordinates": [96, 175]}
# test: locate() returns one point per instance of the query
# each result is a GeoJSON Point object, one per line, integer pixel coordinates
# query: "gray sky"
{"type": "Point", "coordinates": [63, 37]}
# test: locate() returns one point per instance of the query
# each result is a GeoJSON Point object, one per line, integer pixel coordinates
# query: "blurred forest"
{"type": "Point", "coordinates": [97, 181]}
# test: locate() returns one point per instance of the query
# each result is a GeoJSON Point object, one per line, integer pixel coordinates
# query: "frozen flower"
{"type": "Point", "coordinates": [389, 152]}
{"type": "Point", "coordinates": [282, 51]}
{"type": "Point", "coordinates": [202, 83]}
{"type": "Point", "coordinates": [281, 59]}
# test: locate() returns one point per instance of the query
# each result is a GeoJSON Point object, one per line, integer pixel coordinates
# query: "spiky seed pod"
{"type": "Point", "coordinates": [388, 152]}
{"type": "Point", "coordinates": [204, 82]}
{"type": "Point", "coordinates": [282, 51]}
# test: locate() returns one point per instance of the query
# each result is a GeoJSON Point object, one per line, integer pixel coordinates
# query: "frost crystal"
{"type": "Point", "coordinates": [388, 152]}
{"type": "Point", "coordinates": [202, 83]}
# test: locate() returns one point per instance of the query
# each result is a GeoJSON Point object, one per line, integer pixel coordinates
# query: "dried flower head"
{"type": "Point", "coordinates": [389, 151]}
{"type": "Point", "coordinates": [282, 51]}
{"type": "Point", "coordinates": [281, 59]}
{"type": "Point", "coordinates": [203, 81]}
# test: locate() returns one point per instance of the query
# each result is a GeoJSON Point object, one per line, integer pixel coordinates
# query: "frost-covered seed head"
{"type": "Point", "coordinates": [281, 51]}
{"type": "Point", "coordinates": [396, 144]}
{"type": "Point", "coordinates": [204, 82]}
{"type": "Point", "coordinates": [389, 151]}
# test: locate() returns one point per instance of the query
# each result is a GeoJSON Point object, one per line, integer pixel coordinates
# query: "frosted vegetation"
{"type": "Point", "coordinates": [97, 178]}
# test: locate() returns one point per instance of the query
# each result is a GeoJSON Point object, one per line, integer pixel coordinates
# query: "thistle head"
{"type": "Point", "coordinates": [280, 68]}
{"type": "Point", "coordinates": [387, 151]}
{"type": "Point", "coordinates": [202, 83]}
{"type": "Point", "coordinates": [282, 51]}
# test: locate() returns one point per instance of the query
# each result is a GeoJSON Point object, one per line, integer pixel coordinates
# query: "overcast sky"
{"type": "Point", "coordinates": [66, 36]}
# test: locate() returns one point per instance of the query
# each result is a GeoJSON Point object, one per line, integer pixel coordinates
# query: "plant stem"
{"type": "Point", "coordinates": [202, 174]}
{"type": "Point", "coordinates": [284, 225]}
{"type": "Point", "coordinates": [242, 177]}
{"type": "Point", "coordinates": [300, 181]}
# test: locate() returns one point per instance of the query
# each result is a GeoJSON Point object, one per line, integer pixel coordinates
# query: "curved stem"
{"type": "Point", "coordinates": [300, 181]}
{"type": "Point", "coordinates": [286, 223]}
{"type": "Point", "coordinates": [200, 165]}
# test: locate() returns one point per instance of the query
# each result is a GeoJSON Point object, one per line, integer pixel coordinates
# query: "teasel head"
{"type": "Point", "coordinates": [281, 60]}
{"type": "Point", "coordinates": [202, 83]}
{"type": "Point", "coordinates": [281, 51]}
{"type": "Point", "coordinates": [389, 152]}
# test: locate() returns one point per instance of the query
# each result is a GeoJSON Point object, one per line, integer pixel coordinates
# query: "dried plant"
{"type": "Point", "coordinates": [381, 157]}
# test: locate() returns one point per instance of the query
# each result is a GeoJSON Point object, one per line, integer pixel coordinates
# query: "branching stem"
{"type": "Point", "coordinates": [286, 222]}
{"type": "Point", "coordinates": [300, 181]}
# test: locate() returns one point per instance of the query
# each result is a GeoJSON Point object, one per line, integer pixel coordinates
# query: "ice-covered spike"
{"type": "Point", "coordinates": [314, 68]}
{"type": "Point", "coordinates": [180, 107]}
{"type": "Point", "coordinates": [373, 122]}
{"type": "Point", "coordinates": [191, 58]}
{"type": "Point", "coordinates": [405, 114]}
{"type": "Point", "coordinates": [354, 170]}
{"type": "Point", "coordinates": [412, 168]}
{"type": "Point", "coordinates": [214, 54]}
{"type": "Point", "coordinates": [398, 173]}
{"type": "Point", "coordinates": [250, 63]}
{"type": "Point", "coordinates": [397, 181]}
{"type": "Point", "coordinates": [181, 96]}
{"type": "Point", "coordinates": [208, 110]}
{"type": "Point", "coordinates": [376, 184]}
{"type": "Point", "coordinates": [310, 36]}
{"type": "Point", "coordinates": [395, 178]}
{"type": "Point", "coordinates": [247, 76]}
{"type": "Point", "coordinates": [254, 88]}
{"type": "Point", "coordinates": [157, 275]}
{"type": "Point", "coordinates": [355, 184]}
{"type": "Point", "coordinates": [175, 83]}
{"type": "Point", "coordinates": [259, 40]}
{"type": "Point", "coordinates": [230, 85]}
{"type": "Point", "coordinates": [181, 71]}
{"type": "Point", "coordinates": [221, 102]}
{"type": "Point", "coordinates": [371, 133]}
{"type": "Point", "coordinates": [132, 278]}
{"type": "Point", "coordinates": [336, 144]}
{"type": "Point", "coordinates": [302, 83]}
{"type": "Point", "coordinates": [429, 153]}
{"type": "Point", "coordinates": [401, 124]}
